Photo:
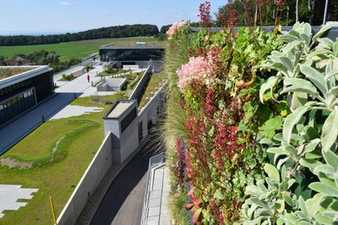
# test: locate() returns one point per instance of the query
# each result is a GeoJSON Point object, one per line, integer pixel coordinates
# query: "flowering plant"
{"type": "Point", "coordinates": [200, 68]}
{"type": "Point", "coordinates": [214, 81]}
{"type": "Point", "coordinates": [172, 31]}
{"type": "Point", "coordinates": [204, 13]}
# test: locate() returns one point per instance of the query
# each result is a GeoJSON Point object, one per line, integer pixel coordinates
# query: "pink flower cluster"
{"type": "Point", "coordinates": [280, 3]}
{"type": "Point", "coordinates": [175, 28]}
{"type": "Point", "coordinates": [198, 68]}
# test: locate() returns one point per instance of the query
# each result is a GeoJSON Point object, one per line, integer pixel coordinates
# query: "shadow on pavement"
{"type": "Point", "coordinates": [121, 188]}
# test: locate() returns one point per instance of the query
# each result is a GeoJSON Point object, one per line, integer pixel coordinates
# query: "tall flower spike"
{"type": "Point", "coordinates": [204, 13]}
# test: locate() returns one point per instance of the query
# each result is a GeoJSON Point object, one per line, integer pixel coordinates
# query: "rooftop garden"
{"type": "Point", "coordinates": [156, 81]}
{"type": "Point", "coordinates": [53, 158]}
{"type": "Point", "coordinates": [11, 71]}
{"type": "Point", "coordinates": [131, 76]}
{"type": "Point", "coordinates": [251, 130]}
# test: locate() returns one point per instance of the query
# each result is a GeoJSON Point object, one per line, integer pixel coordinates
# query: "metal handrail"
{"type": "Point", "coordinates": [154, 162]}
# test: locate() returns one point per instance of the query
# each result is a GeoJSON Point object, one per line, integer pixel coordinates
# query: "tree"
{"type": "Point", "coordinates": [104, 32]}
{"type": "Point", "coordinates": [256, 12]}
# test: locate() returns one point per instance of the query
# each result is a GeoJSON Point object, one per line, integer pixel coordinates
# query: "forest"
{"type": "Point", "coordinates": [135, 30]}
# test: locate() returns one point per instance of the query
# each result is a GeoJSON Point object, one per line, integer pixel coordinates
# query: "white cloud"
{"type": "Point", "coordinates": [66, 3]}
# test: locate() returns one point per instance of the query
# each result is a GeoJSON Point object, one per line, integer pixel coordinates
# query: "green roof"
{"type": "Point", "coordinates": [6, 72]}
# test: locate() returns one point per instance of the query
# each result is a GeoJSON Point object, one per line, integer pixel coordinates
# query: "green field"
{"type": "Point", "coordinates": [75, 49]}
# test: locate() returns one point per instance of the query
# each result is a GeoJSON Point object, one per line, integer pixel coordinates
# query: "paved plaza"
{"type": "Point", "coordinates": [75, 110]}
{"type": "Point", "coordinates": [12, 196]}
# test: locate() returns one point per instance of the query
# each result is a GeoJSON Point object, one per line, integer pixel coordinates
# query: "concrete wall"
{"type": "Point", "coordinates": [129, 140]}
{"type": "Point", "coordinates": [125, 142]}
{"type": "Point", "coordinates": [156, 68]}
{"type": "Point", "coordinates": [94, 174]}
{"type": "Point", "coordinates": [141, 85]}
{"type": "Point", "coordinates": [112, 84]}
{"type": "Point", "coordinates": [152, 111]}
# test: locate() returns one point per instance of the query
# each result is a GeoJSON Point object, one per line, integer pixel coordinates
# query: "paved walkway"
{"type": "Point", "coordinates": [155, 211]}
{"type": "Point", "coordinates": [12, 196]}
{"type": "Point", "coordinates": [123, 202]}
{"type": "Point", "coordinates": [64, 95]}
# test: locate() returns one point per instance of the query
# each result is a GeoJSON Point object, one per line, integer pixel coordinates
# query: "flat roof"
{"type": "Point", "coordinates": [132, 47]}
{"type": "Point", "coordinates": [14, 74]}
{"type": "Point", "coordinates": [120, 108]}
{"type": "Point", "coordinates": [6, 72]}
{"type": "Point", "coordinates": [116, 82]}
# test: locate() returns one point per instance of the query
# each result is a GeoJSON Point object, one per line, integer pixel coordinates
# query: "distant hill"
{"type": "Point", "coordinates": [135, 30]}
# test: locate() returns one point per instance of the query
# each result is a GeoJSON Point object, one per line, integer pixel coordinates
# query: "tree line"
{"type": "Point", "coordinates": [104, 32]}
{"type": "Point", "coordinates": [264, 12]}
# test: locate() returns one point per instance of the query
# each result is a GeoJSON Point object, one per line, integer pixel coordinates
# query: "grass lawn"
{"type": "Point", "coordinates": [154, 84]}
{"type": "Point", "coordinates": [75, 49]}
{"type": "Point", "coordinates": [60, 151]}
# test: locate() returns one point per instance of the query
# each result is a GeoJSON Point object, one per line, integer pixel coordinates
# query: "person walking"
{"type": "Point", "coordinates": [88, 77]}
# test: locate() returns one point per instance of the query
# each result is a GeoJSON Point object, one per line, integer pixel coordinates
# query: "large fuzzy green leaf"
{"type": "Point", "coordinates": [312, 145]}
{"type": "Point", "coordinates": [332, 159]}
{"type": "Point", "coordinates": [298, 99]}
{"type": "Point", "coordinates": [327, 188]}
{"type": "Point", "coordinates": [299, 85]}
{"type": "Point", "coordinates": [315, 77]}
{"type": "Point", "coordinates": [330, 131]}
{"type": "Point", "coordinates": [322, 31]}
{"type": "Point", "coordinates": [335, 48]}
{"type": "Point", "coordinates": [272, 172]}
{"type": "Point", "coordinates": [268, 85]}
{"type": "Point", "coordinates": [287, 63]}
{"type": "Point", "coordinates": [291, 121]}
{"type": "Point", "coordinates": [325, 43]}
{"type": "Point", "coordinates": [313, 205]}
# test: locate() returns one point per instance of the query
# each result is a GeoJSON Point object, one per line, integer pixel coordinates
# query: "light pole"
{"type": "Point", "coordinates": [297, 6]}
{"type": "Point", "coordinates": [325, 11]}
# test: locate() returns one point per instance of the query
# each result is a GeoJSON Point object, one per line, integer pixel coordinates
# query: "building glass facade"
{"type": "Point", "coordinates": [131, 54]}
{"type": "Point", "coordinates": [18, 98]}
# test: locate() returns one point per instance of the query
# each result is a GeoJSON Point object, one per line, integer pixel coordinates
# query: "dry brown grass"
{"type": "Point", "coordinates": [10, 71]}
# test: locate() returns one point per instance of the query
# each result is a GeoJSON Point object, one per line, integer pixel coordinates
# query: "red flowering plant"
{"type": "Point", "coordinates": [204, 14]}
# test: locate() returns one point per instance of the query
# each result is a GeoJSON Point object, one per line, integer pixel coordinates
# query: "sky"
{"type": "Point", "coordinates": [59, 16]}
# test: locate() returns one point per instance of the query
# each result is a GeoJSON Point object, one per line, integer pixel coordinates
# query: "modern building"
{"type": "Point", "coordinates": [23, 87]}
{"type": "Point", "coordinates": [140, 55]}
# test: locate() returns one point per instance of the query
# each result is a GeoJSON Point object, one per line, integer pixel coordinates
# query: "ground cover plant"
{"type": "Point", "coordinates": [250, 131]}
{"type": "Point", "coordinates": [217, 88]}
{"type": "Point", "coordinates": [301, 186]}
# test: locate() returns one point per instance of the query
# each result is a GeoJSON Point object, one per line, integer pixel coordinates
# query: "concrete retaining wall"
{"type": "Point", "coordinates": [95, 172]}
{"type": "Point", "coordinates": [151, 112]}
{"type": "Point", "coordinates": [141, 85]}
